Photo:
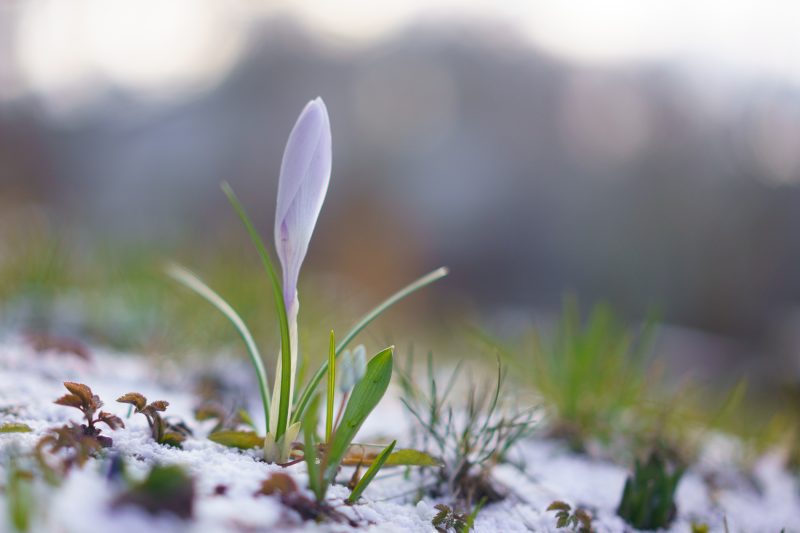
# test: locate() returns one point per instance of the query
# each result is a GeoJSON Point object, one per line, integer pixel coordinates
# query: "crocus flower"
{"type": "Point", "coordinates": [303, 183]}
{"type": "Point", "coordinates": [305, 173]}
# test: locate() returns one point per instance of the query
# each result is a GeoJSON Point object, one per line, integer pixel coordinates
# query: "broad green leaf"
{"type": "Point", "coordinates": [244, 440]}
{"type": "Point", "coordinates": [369, 475]}
{"type": "Point", "coordinates": [190, 281]}
{"type": "Point", "coordinates": [15, 427]}
{"type": "Point", "coordinates": [409, 289]}
{"type": "Point", "coordinates": [280, 309]}
{"type": "Point", "coordinates": [412, 458]}
{"type": "Point", "coordinates": [365, 396]}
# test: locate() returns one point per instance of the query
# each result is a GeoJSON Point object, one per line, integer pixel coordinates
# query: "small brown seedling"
{"type": "Point", "coordinates": [163, 431]}
{"type": "Point", "coordinates": [82, 398]}
{"type": "Point", "coordinates": [578, 520]}
{"type": "Point", "coordinates": [83, 439]}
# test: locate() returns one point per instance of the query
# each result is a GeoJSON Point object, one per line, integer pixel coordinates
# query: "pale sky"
{"type": "Point", "coordinates": [65, 47]}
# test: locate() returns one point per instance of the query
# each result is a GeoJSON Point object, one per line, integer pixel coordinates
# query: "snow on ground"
{"type": "Point", "coordinates": [30, 381]}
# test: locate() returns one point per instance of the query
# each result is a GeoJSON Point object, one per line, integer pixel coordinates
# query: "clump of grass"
{"type": "Point", "coordinates": [648, 498]}
{"type": "Point", "coordinates": [591, 373]}
{"type": "Point", "coordinates": [468, 440]}
{"type": "Point", "coordinates": [83, 440]}
{"type": "Point", "coordinates": [163, 431]}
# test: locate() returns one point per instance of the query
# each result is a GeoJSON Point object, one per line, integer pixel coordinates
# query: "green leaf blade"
{"type": "Point", "coordinates": [243, 440]}
{"type": "Point", "coordinates": [370, 474]}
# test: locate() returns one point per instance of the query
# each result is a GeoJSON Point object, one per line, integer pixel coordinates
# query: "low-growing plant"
{"type": "Point", "coordinates": [163, 431]}
{"type": "Point", "coordinates": [448, 519]}
{"type": "Point", "coordinates": [578, 520]}
{"type": "Point", "coordinates": [165, 489]}
{"type": "Point", "coordinates": [80, 440]}
{"type": "Point", "coordinates": [590, 373]}
{"type": "Point", "coordinates": [302, 186]}
{"type": "Point", "coordinates": [324, 460]}
{"type": "Point", "coordinates": [648, 498]}
{"type": "Point", "coordinates": [82, 398]}
{"type": "Point", "coordinates": [468, 444]}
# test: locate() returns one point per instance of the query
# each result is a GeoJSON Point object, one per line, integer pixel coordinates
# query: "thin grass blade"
{"type": "Point", "coordinates": [195, 284]}
{"type": "Point", "coordinates": [331, 388]}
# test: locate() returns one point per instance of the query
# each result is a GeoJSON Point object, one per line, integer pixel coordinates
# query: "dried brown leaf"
{"type": "Point", "coordinates": [278, 483]}
{"type": "Point", "coordinates": [70, 400]}
{"type": "Point", "coordinates": [112, 421]}
{"type": "Point", "coordinates": [81, 391]}
{"type": "Point", "coordinates": [135, 399]}
{"type": "Point", "coordinates": [159, 405]}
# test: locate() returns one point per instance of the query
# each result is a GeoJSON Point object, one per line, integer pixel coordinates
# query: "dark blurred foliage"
{"type": "Point", "coordinates": [638, 184]}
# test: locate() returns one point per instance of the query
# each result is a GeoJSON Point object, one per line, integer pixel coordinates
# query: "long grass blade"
{"type": "Point", "coordinates": [420, 283]}
{"type": "Point", "coordinates": [195, 284]}
{"type": "Point", "coordinates": [369, 475]}
{"type": "Point", "coordinates": [331, 388]}
{"type": "Point", "coordinates": [280, 308]}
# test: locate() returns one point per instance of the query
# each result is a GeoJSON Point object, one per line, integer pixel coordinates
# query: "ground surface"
{"type": "Point", "coordinates": [30, 381]}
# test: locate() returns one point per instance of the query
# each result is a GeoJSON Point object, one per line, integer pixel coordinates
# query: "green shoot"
{"type": "Point", "coordinates": [331, 388]}
{"type": "Point", "coordinates": [648, 498]}
{"type": "Point", "coordinates": [409, 289]}
{"type": "Point", "coordinates": [369, 475]}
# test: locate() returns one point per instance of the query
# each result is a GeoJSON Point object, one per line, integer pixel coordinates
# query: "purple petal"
{"type": "Point", "coordinates": [305, 174]}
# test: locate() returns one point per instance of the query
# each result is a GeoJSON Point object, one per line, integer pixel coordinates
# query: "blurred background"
{"type": "Point", "coordinates": [645, 154]}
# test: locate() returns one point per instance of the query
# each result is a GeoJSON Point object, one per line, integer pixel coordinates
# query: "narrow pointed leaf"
{"type": "Point", "coordinates": [369, 475]}
{"type": "Point", "coordinates": [331, 388]}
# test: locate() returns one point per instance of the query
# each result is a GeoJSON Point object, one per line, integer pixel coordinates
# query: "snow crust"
{"type": "Point", "coordinates": [30, 381]}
